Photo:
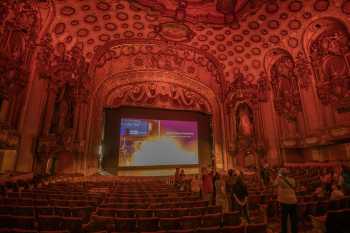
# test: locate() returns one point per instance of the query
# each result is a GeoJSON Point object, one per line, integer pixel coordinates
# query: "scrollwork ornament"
{"type": "Point", "coordinates": [170, 93]}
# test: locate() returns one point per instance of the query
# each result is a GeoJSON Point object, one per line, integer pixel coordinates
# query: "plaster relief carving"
{"type": "Point", "coordinates": [159, 55]}
{"type": "Point", "coordinates": [280, 66]}
{"type": "Point", "coordinates": [160, 94]}
{"type": "Point", "coordinates": [67, 93]}
{"type": "Point", "coordinates": [242, 89]}
{"type": "Point", "coordinates": [326, 41]}
{"type": "Point", "coordinates": [19, 26]}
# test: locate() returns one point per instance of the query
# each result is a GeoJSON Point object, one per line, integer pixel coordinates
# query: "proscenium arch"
{"type": "Point", "coordinates": [103, 54]}
{"type": "Point", "coordinates": [104, 94]}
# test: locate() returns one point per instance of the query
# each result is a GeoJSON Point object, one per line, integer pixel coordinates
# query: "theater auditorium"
{"type": "Point", "coordinates": [175, 116]}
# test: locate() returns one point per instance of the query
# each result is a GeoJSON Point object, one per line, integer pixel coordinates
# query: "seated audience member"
{"type": "Point", "coordinates": [320, 193]}
{"type": "Point", "coordinates": [196, 184]}
{"type": "Point", "coordinates": [287, 198]}
{"type": "Point", "coordinates": [336, 193]}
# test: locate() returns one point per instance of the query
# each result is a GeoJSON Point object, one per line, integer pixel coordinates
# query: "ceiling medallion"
{"type": "Point", "coordinates": [213, 12]}
{"type": "Point", "coordinates": [175, 32]}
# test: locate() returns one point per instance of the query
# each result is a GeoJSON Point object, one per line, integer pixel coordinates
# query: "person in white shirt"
{"type": "Point", "coordinates": [288, 200]}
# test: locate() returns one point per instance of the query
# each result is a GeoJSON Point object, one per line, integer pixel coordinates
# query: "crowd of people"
{"type": "Point", "coordinates": [334, 184]}
{"type": "Point", "coordinates": [226, 190]}
{"type": "Point", "coordinates": [230, 191]}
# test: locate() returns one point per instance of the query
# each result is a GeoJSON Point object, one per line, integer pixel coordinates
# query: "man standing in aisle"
{"type": "Point", "coordinates": [288, 200]}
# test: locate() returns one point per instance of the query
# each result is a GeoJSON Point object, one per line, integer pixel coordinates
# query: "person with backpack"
{"type": "Point", "coordinates": [287, 198]}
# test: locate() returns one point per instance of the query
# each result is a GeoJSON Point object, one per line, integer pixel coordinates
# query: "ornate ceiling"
{"type": "Point", "coordinates": [237, 39]}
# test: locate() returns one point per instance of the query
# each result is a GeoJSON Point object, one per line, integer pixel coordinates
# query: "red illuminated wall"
{"type": "Point", "coordinates": [285, 61]}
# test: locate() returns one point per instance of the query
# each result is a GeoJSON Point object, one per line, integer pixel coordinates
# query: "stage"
{"type": "Point", "coordinates": [154, 142]}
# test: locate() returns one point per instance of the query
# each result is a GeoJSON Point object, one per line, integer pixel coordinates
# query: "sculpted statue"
{"type": "Point", "coordinates": [245, 124]}
{"type": "Point", "coordinates": [63, 111]}
{"type": "Point", "coordinates": [19, 31]}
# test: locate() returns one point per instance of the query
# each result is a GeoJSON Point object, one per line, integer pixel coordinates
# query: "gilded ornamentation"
{"type": "Point", "coordinates": [326, 41]}
{"type": "Point", "coordinates": [163, 56]}
{"type": "Point", "coordinates": [285, 83]}
{"type": "Point", "coordinates": [242, 89]}
{"type": "Point", "coordinates": [201, 11]}
{"type": "Point", "coordinates": [303, 70]}
{"type": "Point", "coordinates": [19, 26]}
{"type": "Point", "coordinates": [160, 94]}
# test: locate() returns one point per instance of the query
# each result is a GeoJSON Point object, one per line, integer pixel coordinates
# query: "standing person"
{"type": "Point", "coordinates": [265, 174]}
{"type": "Point", "coordinates": [196, 184]}
{"type": "Point", "coordinates": [182, 180]}
{"type": "Point", "coordinates": [240, 197]}
{"type": "Point", "coordinates": [230, 181]}
{"type": "Point", "coordinates": [219, 184]}
{"type": "Point", "coordinates": [288, 200]}
{"type": "Point", "coordinates": [207, 181]}
{"type": "Point", "coordinates": [215, 177]}
{"type": "Point", "coordinates": [177, 178]}
{"type": "Point", "coordinates": [346, 179]}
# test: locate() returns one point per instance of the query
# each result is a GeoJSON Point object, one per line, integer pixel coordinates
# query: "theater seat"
{"type": "Point", "coordinates": [55, 231]}
{"type": "Point", "coordinates": [213, 209]}
{"type": "Point", "coordinates": [208, 230]}
{"type": "Point", "coordinates": [24, 211]}
{"type": "Point", "coordinates": [152, 232]}
{"type": "Point", "coordinates": [6, 210]}
{"type": "Point", "coordinates": [73, 224]}
{"type": "Point", "coordinates": [25, 223]}
{"type": "Point", "coordinates": [125, 213]}
{"type": "Point", "coordinates": [125, 224]}
{"type": "Point", "coordinates": [49, 223]}
{"type": "Point", "coordinates": [233, 229]}
{"type": "Point", "coordinates": [100, 223]}
{"type": "Point", "coordinates": [63, 211]}
{"type": "Point", "coordinates": [107, 212]}
{"type": "Point", "coordinates": [45, 210]}
{"type": "Point", "coordinates": [183, 231]}
{"type": "Point", "coordinates": [7, 221]}
{"type": "Point", "coordinates": [211, 220]}
{"type": "Point", "coordinates": [169, 223]}
{"type": "Point", "coordinates": [180, 212]}
{"type": "Point", "coordinates": [148, 224]}
{"type": "Point", "coordinates": [191, 222]}
{"type": "Point", "coordinates": [256, 228]}
{"type": "Point", "coordinates": [23, 231]}
{"type": "Point", "coordinates": [163, 213]}
{"type": "Point", "coordinates": [231, 218]}
{"type": "Point", "coordinates": [197, 211]}
{"type": "Point", "coordinates": [143, 213]}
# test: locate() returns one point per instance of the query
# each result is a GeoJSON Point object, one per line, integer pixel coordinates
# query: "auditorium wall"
{"type": "Point", "coordinates": [273, 74]}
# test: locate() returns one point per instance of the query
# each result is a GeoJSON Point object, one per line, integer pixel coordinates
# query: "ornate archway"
{"type": "Point", "coordinates": [157, 75]}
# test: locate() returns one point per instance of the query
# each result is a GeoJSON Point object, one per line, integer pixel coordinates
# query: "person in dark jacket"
{"type": "Point", "coordinates": [240, 197]}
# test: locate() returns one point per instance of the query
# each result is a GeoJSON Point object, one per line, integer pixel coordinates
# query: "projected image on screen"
{"type": "Point", "coordinates": [148, 142]}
